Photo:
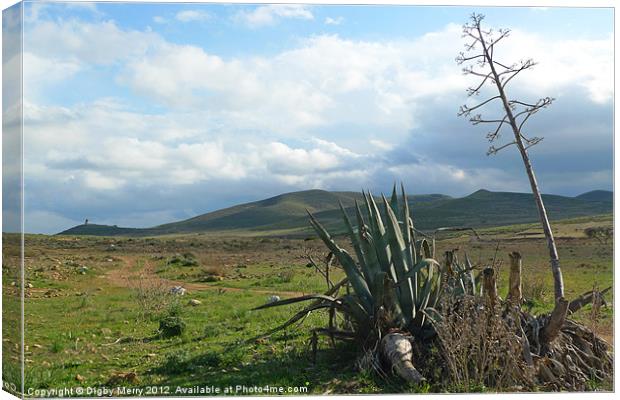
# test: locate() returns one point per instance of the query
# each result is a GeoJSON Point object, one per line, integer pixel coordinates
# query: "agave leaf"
{"type": "Point", "coordinates": [337, 287]}
{"type": "Point", "coordinates": [438, 291]}
{"type": "Point", "coordinates": [391, 302]}
{"type": "Point", "coordinates": [432, 314]}
{"type": "Point", "coordinates": [398, 250]}
{"type": "Point", "coordinates": [424, 263]}
{"type": "Point", "coordinates": [293, 300]}
{"type": "Point", "coordinates": [409, 237]}
{"type": "Point", "coordinates": [407, 229]}
{"type": "Point", "coordinates": [347, 262]}
{"type": "Point", "coordinates": [296, 317]}
{"type": "Point", "coordinates": [394, 200]}
{"type": "Point", "coordinates": [367, 243]}
{"type": "Point", "coordinates": [378, 291]}
{"type": "Point", "coordinates": [462, 287]}
{"type": "Point", "coordinates": [357, 311]}
{"type": "Point", "coordinates": [379, 235]}
{"type": "Point", "coordinates": [424, 249]}
{"type": "Point", "coordinates": [427, 287]}
{"type": "Point", "coordinates": [355, 240]}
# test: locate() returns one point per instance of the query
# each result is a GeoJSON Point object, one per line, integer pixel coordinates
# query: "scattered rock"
{"type": "Point", "coordinates": [51, 293]}
{"type": "Point", "coordinates": [178, 290]}
{"type": "Point", "coordinates": [29, 285]}
{"type": "Point", "coordinates": [195, 302]}
{"type": "Point", "coordinates": [273, 298]}
{"type": "Point", "coordinates": [37, 346]}
{"type": "Point", "coordinates": [79, 378]}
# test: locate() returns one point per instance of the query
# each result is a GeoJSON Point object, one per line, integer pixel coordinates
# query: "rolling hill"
{"type": "Point", "coordinates": [286, 214]}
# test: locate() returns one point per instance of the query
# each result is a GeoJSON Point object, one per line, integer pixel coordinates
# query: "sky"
{"type": "Point", "coordinates": [141, 114]}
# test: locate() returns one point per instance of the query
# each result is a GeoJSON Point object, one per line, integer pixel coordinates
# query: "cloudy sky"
{"type": "Point", "coordinates": [140, 114]}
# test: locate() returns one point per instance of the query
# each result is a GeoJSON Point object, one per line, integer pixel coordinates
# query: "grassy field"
{"type": "Point", "coordinates": [94, 305]}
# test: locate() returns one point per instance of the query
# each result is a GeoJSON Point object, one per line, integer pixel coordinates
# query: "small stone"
{"type": "Point", "coordinates": [79, 378]}
{"type": "Point", "coordinates": [195, 302]}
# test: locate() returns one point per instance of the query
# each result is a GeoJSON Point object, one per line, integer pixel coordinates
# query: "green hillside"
{"type": "Point", "coordinates": [264, 212]}
{"type": "Point", "coordinates": [597, 195]}
{"type": "Point", "coordinates": [101, 230]}
{"type": "Point", "coordinates": [286, 214]}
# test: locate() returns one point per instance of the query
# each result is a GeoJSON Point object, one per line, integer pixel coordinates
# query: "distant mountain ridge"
{"type": "Point", "coordinates": [285, 214]}
{"type": "Point", "coordinates": [597, 195]}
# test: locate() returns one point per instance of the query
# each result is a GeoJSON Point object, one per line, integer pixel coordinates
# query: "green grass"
{"type": "Point", "coordinates": [92, 325]}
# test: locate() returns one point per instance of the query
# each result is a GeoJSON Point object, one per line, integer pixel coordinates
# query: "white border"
{"type": "Point", "coordinates": [475, 3]}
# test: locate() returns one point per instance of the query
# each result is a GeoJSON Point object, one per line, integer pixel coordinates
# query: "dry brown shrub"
{"type": "Point", "coordinates": [480, 348]}
{"type": "Point", "coordinates": [151, 294]}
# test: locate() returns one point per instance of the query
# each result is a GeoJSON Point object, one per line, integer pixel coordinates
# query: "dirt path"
{"type": "Point", "coordinates": [122, 277]}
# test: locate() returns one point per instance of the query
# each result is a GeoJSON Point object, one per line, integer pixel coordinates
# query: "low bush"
{"type": "Point", "coordinates": [171, 325]}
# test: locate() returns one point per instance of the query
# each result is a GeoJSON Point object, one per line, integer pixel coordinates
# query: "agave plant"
{"type": "Point", "coordinates": [396, 283]}
{"type": "Point", "coordinates": [394, 278]}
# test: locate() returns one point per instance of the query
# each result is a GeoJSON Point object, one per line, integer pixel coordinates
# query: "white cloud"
{"type": "Point", "coordinates": [246, 119]}
{"type": "Point", "coordinates": [298, 161]}
{"type": "Point", "coordinates": [158, 19]}
{"type": "Point", "coordinates": [380, 144]}
{"type": "Point", "coordinates": [99, 43]}
{"type": "Point", "coordinates": [333, 21]}
{"type": "Point", "coordinates": [144, 154]}
{"type": "Point", "coordinates": [270, 14]}
{"type": "Point", "coordinates": [562, 63]}
{"type": "Point", "coordinates": [98, 181]}
{"type": "Point", "coordinates": [323, 81]}
{"type": "Point", "coordinates": [192, 16]}
{"type": "Point", "coordinates": [437, 176]}
{"type": "Point", "coordinates": [44, 71]}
